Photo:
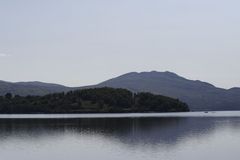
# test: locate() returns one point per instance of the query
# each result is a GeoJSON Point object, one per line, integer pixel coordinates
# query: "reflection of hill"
{"type": "Point", "coordinates": [152, 131]}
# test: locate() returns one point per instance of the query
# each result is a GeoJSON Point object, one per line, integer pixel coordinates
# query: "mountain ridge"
{"type": "Point", "coordinates": [30, 88]}
{"type": "Point", "coordinates": [199, 95]}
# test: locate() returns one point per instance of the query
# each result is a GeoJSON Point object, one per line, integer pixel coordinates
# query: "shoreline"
{"type": "Point", "coordinates": [124, 115]}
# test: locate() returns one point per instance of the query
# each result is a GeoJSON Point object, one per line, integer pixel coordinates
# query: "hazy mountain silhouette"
{"type": "Point", "coordinates": [197, 94]}
{"type": "Point", "coordinates": [30, 88]}
{"type": "Point", "coordinates": [200, 96]}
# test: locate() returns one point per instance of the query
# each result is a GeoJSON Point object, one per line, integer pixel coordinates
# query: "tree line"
{"type": "Point", "coordinates": [95, 100]}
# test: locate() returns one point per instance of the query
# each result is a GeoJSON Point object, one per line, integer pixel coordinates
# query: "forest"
{"type": "Point", "coordinates": [95, 100]}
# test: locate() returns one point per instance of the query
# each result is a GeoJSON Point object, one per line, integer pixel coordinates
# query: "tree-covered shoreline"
{"type": "Point", "coordinates": [96, 100]}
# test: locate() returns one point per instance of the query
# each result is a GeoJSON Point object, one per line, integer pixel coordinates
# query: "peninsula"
{"type": "Point", "coordinates": [95, 100]}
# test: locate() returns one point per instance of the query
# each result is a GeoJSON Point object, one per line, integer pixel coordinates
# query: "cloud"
{"type": "Point", "coordinates": [4, 55]}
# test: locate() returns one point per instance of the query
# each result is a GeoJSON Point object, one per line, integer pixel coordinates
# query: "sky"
{"type": "Point", "coordinates": [84, 42]}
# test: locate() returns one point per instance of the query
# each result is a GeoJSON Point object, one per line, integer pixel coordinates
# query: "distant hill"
{"type": "Point", "coordinates": [97, 100]}
{"type": "Point", "coordinates": [198, 95]}
{"type": "Point", "coordinates": [30, 88]}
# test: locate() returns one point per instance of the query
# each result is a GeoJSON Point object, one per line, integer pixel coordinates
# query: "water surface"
{"type": "Point", "coordinates": [133, 138]}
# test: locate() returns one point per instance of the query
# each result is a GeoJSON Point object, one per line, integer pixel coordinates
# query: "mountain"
{"type": "Point", "coordinates": [30, 88]}
{"type": "Point", "coordinates": [200, 96]}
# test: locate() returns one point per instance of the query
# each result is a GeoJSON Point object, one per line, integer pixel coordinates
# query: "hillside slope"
{"type": "Point", "coordinates": [30, 88]}
{"type": "Point", "coordinates": [198, 95]}
{"type": "Point", "coordinates": [97, 100]}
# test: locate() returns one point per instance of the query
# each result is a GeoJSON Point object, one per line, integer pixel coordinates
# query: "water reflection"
{"type": "Point", "coordinates": [128, 131]}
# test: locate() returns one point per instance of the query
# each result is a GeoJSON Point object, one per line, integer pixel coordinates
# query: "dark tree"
{"type": "Point", "coordinates": [96, 100]}
{"type": "Point", "coordinates": [8, 96]}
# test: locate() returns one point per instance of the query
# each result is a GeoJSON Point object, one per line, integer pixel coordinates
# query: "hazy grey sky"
{"type": "Point", "coordinates": [81, 42]}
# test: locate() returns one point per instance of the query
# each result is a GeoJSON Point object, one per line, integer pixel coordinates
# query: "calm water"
{"type": "Point", "coordinates": [139, 138]}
